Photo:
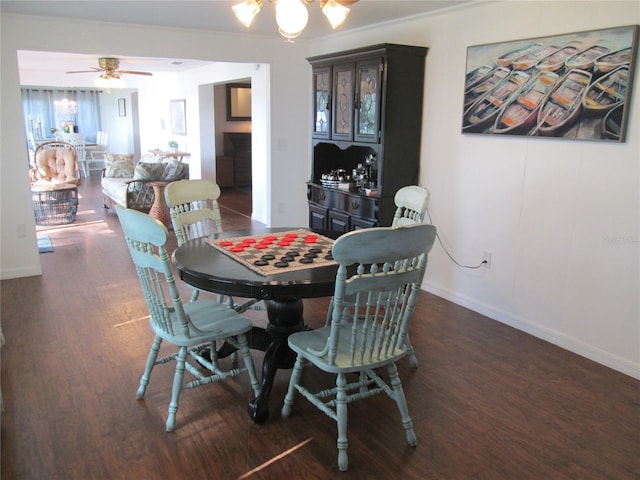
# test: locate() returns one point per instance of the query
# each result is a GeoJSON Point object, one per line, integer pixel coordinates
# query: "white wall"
{"type": "Point", "coordinates": [561, 218]}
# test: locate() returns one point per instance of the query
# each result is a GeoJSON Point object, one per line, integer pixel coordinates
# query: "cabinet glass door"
{"type": "Point", "coordinates": [321, 98]}
{"type": "Point", "coordinates": [368, 104]}
{"type": "Point", "coordinates": [343, 89]}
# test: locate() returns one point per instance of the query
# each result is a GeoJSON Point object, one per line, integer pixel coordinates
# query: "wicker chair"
{"type": "Point", "coordinates": [55, 163]}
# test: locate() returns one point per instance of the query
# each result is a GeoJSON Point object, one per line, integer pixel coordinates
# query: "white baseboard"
{"type": "Point", "coordinates": [562, 340]}
{"type": "Point", "coordinates": [9, 273]}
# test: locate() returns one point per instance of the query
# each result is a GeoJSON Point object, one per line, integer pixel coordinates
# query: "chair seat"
{"type": "Point", "coordinates": [302, 342]}
{"type": "Point", "coordinates": [209, 316]}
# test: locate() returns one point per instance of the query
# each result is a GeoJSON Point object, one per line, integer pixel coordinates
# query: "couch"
{"type": "Point", "coordinates": [127, 183]}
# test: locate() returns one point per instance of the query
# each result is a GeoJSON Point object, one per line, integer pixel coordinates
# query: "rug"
{"type": "Point", "coordinates": [44, 244]}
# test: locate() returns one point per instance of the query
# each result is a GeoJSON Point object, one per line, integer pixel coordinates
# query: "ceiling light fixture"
{"type": "Point", "coordinates": [66, 106]}
{"type": "Point", "coordinates": [292, 15]}
{"type": "Point", "coordinates": [109, 81]}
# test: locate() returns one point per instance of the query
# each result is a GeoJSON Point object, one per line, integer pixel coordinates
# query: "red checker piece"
{"type": "Point", "coordinates": [291, 235]}
{"type": "Point", "coordinates": [238, 248]}
{"type": "Point", "coordinates": [261, 246]}
{"type": "Point", "coordinates": [249, 241]}
{"type": "Point", "coordinates": [226, 243]}
{"type": "Point", "coordinates": [284, 243]}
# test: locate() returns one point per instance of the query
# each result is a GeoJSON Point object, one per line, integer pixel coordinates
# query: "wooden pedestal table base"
{"type": "Point", "coordinates": [159, 209]}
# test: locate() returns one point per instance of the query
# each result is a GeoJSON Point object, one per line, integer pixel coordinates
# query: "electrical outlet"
{"type": "Point", "coordinates": [486, 259]}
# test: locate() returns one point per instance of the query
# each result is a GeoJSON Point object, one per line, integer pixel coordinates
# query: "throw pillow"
{"type": "Point", "coordinates": [175, 171]}
{"type": "Point", "coordinates": [148, 171]}
{"type": "Point", "coordinates": [118, 165]}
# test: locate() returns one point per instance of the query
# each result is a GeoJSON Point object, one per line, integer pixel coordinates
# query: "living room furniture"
{"type": "Point", "coordinates": [188, 326]}
{"type": "Point", "coordinates": [127, 183]}
{"type": "Point", "coordinates": [367, 117]}
{"type": "Point", "coordinates": [55, 163]}
{"type": "Point", "coordinates": [54, 204]}
{"type": "Point", "coordinates": [233, 169]}
{"type": "Point", "coordinates": [78, 141]}
{"type": "Point", "coordinates": [369, 333]}
{"type": "Point", "coordinates": [204, 267]}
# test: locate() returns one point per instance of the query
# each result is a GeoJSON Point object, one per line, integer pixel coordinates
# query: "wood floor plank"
{"type": "Point", "coordinates": [487, 401]}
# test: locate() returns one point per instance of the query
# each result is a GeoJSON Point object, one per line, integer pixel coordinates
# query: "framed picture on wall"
{"type": "Point", "coordinates": [238, 102]}
{"type": "Point", "coordinates": [122, 107]}
{"type": "Point", "coordinates": [178, 117]}
{"type": "Point", "coordinates": [574, 86]}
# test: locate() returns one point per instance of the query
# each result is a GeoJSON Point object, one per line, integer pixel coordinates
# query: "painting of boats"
{"type": "Point", "coordinates": [487, 83]}
{"type": "Point", "coordinates": [558, 86]}
{"type": "Point", "coordinates": [507, 59]}
{"type": "Point", "coordinates": [612, 123]}
{"type": "Point", "coordinates": [584, 60]}
{"type": "Point", "coordinates": [476, 76]}
{"type": "Point", "coordinates": [564, 103]}
{"type": "Point", "coordinates": [612, 60]}
{"type": "Point", "coordinates": [529, 60]}
{"type": "Point", "coordinates": [520, 114]}
{"type": "Point", "coordinates": [483, 112]}
{"type": "Point", "coordinates": [607, 92]}
{"type": "Point", "coordinates": [555, 60]}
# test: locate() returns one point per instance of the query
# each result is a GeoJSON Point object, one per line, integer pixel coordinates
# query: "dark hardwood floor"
{"type": "Point", "coordinates": [487, 401]}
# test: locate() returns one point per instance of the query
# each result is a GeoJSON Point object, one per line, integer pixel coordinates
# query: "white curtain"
{"type": "Point", "coordinates": [40, 115]}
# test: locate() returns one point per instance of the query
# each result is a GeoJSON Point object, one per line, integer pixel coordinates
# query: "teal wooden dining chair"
{"type": "Point", "coordinates": [190, 326]}
{"type": "Point", "coordinates": [411, 207]}
{"type": "Point", "coordinates": [195, 213]}
{"type": "Point", "coordinates": [368, 331]}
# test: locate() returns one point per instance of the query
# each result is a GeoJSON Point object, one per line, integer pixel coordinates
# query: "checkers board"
{"type": "Point", "coordinates": [280, 252]}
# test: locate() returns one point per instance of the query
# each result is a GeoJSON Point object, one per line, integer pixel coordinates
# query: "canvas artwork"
{"type": "Point", "coordinates": [573, 86]}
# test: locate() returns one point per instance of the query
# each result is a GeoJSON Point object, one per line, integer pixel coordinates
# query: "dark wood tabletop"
{"type": "Point", "coordinates": [204, 267]}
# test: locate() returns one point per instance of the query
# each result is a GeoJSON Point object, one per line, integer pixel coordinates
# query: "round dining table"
{"type": "Point", "coordinates": [203, 266]}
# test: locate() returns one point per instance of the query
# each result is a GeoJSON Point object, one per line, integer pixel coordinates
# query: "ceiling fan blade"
{"type": "Point", "coordinates": [87, 71]}
{"type": "Point", "coordinates": [130, 72]}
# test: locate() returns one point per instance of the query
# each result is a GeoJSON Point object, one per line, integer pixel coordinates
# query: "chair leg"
{"type": "Point", "coordinates": [293, 381]}
{"type": "Point", "coordinates": [177, 387]}
{"type": "Point", "coordinates": [413, 360]}
{"type": "Point", "coordinates": [248, 362]}
{"type": "Point", "coordinates": [401, 401]}
{"type": "Point", "coordinates": [151, 361]}
{"type": "Point", "coordinates": [341, 419]}
{"type": "Point", "coordinates": [194, 295]}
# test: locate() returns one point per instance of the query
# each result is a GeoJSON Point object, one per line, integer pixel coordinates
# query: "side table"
{"type": "Point", "coordinates": [54, 204]}
{"type": "Point", "coordinates": [159, 209]}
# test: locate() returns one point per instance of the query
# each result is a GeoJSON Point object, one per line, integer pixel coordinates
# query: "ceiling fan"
{"type": "Point", "coordinates": [109, 69]}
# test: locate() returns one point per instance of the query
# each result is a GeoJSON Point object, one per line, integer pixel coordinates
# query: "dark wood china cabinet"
{"type": "Point", "coordinates": [367, 125]}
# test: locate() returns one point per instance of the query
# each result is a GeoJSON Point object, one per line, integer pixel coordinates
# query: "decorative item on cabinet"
{"type": "Point", "coordinates": [367, 125]}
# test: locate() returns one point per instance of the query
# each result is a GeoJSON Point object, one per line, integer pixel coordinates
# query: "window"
{"type": "Point", "coordinates": [41, 116]}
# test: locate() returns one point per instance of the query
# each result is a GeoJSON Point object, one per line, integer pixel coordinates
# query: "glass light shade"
{"type": "Point", "coordinates": [247, 11]}
{"type": "Point", "coordinates": [104, 81]}
{"type": "Point", "coordinates": [292, 17]}
{"type": "Point", "coordinates": [335, 12]}
{"type": "Point", "coordinates": [65, 106]}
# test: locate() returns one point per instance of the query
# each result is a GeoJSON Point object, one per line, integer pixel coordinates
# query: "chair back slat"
{"type": "Point", "coordinates": [411, 205]}
{"type": "Point", "coordinates": [194, 208]}
{"type": "Point", "coordinates": [146, 238]}
{"type": "Point", "coordinates": [372, 324]}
